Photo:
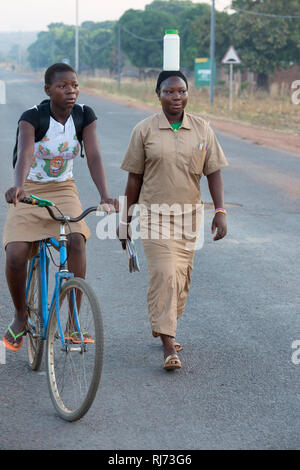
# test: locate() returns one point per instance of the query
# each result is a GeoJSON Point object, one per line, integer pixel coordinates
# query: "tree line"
{"type": "Point", "coordinates": [266, 34]}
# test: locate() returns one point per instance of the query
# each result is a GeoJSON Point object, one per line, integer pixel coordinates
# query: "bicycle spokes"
{"type": "Point", "coordinates": [75, 369]}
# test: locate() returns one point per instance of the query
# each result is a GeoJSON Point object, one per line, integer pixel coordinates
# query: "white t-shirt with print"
{"type": "Point", "coordinates": [53, 155]}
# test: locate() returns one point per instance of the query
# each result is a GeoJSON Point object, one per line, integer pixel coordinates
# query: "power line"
{"type": "Point", "coordinates": [139, 37]}
{"type": "Point", "coordinates": [98, 48]}
{"type": "Point", "coordinates": [256, 13]}
{"type": "Point", "coordinates": [120, 28]}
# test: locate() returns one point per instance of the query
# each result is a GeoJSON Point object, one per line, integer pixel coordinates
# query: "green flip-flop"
{"type": "Point", "coordinates": [75, 337]}
{"type": "Point", "coordinates": [9, 345]}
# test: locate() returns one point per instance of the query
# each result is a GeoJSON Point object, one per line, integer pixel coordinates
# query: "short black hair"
{"type": "Point", "coordinates": [56, 68]}
{"type": "Point", "coordinates": [165, 74]}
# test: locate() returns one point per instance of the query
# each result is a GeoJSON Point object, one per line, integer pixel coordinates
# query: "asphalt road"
{"type": "Point", "coordinates": [238, 387]}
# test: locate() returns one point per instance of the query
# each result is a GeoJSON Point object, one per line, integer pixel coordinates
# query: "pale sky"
{"type": "Point", "coordinates": [35, 15]}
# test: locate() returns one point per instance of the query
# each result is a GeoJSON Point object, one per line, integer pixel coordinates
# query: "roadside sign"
{"type": "Point", "coordinates": [202, 72]}
{"type": "Point", "coordinates": [231, 57]}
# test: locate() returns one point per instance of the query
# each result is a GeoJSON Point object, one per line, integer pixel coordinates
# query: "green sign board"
{"type": "Point", "coordinates": [202, 72]}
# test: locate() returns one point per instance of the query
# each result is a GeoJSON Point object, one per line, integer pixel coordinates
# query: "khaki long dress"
{"type": "Point", "coordinates": [172, 164]}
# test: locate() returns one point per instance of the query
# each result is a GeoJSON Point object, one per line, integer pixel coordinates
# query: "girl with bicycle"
{"type": "Point", "coordinates": [45, 168]}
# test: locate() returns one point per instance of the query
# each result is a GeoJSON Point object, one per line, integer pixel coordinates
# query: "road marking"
{"type": "Point", "coordinates": [2, 92]}
{"type": "Point", "coordinates": [2, 353]}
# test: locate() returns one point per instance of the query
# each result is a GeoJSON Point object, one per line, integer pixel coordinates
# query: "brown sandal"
{"type": "Point", "coordinates": [178, 346]}
{"type": "Point", "coordinates": [172, 362]}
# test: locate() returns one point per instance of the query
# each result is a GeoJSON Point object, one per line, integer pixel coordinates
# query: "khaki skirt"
{"type": "Point", "coordinates": [27, 223]}
{"type": "Point", "coordinates": [169, 245]}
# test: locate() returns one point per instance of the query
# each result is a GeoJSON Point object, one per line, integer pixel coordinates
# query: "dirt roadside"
{"type": "Point", "coordinates": [258, 135]}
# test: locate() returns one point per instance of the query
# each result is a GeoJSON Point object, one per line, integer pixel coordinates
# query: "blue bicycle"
{"type": "Point", "coordinates": [72, 326]}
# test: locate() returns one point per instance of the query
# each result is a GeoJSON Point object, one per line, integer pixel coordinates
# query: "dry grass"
{"type": "Point", "coordinates": [273, 110]}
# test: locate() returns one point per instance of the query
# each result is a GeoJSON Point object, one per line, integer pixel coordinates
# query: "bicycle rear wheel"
{"type": "Point", "coordinates": [74, 373]}
{"type": "Point", "coordinates": [35, 342]}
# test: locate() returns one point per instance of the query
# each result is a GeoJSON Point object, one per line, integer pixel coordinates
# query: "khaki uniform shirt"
{"type": "Point", "coordinates": [172, 162]}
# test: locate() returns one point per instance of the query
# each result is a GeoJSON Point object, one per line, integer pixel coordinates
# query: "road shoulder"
{"type": "Point", "coordinates": [277, 140]}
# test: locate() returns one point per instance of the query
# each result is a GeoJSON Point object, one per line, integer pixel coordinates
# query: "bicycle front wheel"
{"type": "Point", "coordinates": [74, 372]}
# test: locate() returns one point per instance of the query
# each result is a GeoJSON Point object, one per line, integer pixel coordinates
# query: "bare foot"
{"type": "Point", "coordinates": [168, 345]}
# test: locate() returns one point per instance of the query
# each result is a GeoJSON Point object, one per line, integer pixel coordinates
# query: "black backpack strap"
{"type": "Point", "coordinates": [77, 115]}
{"type": "Point", "coordinates": [43, 119]}
{"type": "Point", "coordinates": [15, 152]}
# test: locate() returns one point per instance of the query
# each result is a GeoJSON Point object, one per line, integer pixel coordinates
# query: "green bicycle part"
{"type": "Point", "coordinates": [42, 202]}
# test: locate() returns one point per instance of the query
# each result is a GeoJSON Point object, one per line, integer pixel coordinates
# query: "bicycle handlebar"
{"type": "Point", "coordinates": [29, 200]}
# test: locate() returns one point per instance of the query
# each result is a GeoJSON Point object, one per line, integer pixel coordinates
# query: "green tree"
{"type": "Point", "coordinates": [195, 34]}
{"type": "Point", "coordinates": [41, 52]}
{"type": "Point", "coordinates": [58, 43]}
{"type": "Point", "coordinates": [173, 7]}
{"type": "Point", "coordinates": [142, 35]}
{"type": "Point", "coordinates": [97, 41]}
{"type": "Point", "coordinates": [266, 43]}
{"type": "Point", "coordinates": [92, 26]}
{"type": "Point", "coordinates": [193, 22]}
{"type": "Point", "coordinates": [192, 19]}
{"type": "Point", "coordinates": [98, 46]}
{"type": "Point", "coordinates": [52, 46]}
{"type": "Point", "coordinates": [63, 38]}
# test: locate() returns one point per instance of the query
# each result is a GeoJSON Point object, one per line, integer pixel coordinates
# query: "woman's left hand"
{"type": "Point", "coordinates": [219, 223]}
{"type": "Point", "coordinates": [110, 205]}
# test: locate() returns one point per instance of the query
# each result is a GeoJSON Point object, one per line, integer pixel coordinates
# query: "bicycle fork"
{"type": "Point", "coordinates": [60, 276]}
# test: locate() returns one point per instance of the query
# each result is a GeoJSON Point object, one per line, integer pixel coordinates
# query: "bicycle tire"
{"type": "Point", "coordinates": [58, 387]}
{"type": "Point", "coordinates": [35, 342]}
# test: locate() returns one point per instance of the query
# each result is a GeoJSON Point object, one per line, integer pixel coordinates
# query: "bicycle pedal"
{"type": "Point", "coordinates": [35, 335]}
{"type": "Point", "coordinates": [74, 349]}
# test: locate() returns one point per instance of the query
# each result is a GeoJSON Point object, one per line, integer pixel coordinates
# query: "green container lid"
{"type": "Point", "coordinates": [171, 31]}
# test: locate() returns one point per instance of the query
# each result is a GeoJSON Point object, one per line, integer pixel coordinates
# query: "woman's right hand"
{"type": "Point", "coordinates": [14, 195]}
{"type": "Point", "coordinates": [123, 233]}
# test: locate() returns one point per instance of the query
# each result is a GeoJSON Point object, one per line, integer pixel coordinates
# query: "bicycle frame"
{"type": "Point", "coordinates": [61, 275]}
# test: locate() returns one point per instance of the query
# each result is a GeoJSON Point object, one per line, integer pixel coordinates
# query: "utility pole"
{"type": "Point", "coordinates": [212, 52]}
{"type": "Point", "coordinates": [52, 47]}
{"type": "Point", "coordinates": [119, 55]}
{"type": "Point", "coordinates": [76, 40]}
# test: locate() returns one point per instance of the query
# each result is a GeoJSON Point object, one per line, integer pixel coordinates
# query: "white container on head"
{"type": "Point", "coordinates": [171, 50]}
